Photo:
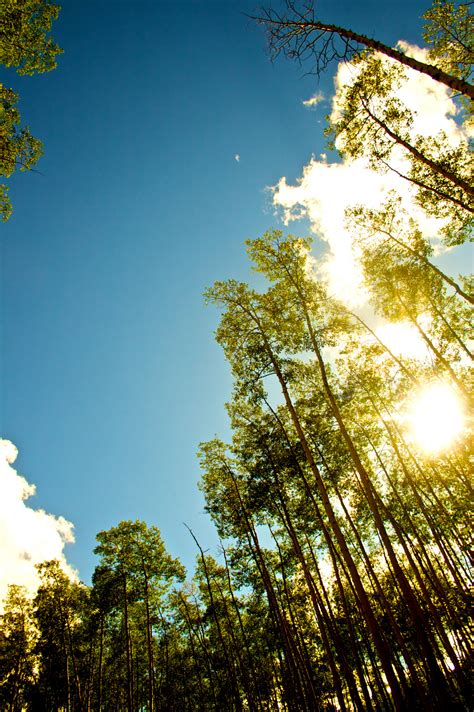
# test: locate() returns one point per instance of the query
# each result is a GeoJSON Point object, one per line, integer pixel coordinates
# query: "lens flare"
{"type": "Point", "coordinates": [436, 418]}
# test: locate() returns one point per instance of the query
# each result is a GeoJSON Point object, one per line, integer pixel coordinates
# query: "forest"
{"type": "Point", "coordinates": [344, 577]}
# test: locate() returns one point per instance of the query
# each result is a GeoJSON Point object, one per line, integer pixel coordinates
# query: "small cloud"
{"type": "Point", "coordinates": [237, 157]}
{"type": "Point", "coordinates": [314, 100]}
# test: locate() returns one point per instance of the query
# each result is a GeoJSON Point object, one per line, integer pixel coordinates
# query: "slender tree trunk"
{"type": "Point", "coordinates": [197, 665]}
{"type": "Point", "coordinates": [127, 645]}
{"type": "Point", "coordinates": [311, 696]}
{"type": "Point", "coordinates": [228, 659]}
{"type": "Point", "coordinates": [241, 625]}
{"type": "Point", "coordinates": [334, 554]}
{"type": "Point", "coordinates": [411, 601]}
{"type": "Point", "coordinates": [99, 673]}
{"type": "Point", "coordinates": [318, 605]}
{"type": "Point", "coordinates": [149, 642]}
{"type": "Point", "coordinates": [202, 642]}
{"type": "Point", "coordinates": [381, 647]}
{"type": "Point", "coordinates": [295, 690]}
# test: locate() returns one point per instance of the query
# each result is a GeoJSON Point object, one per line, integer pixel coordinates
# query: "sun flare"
{"type": "Point", "coordinates": [436, 418]}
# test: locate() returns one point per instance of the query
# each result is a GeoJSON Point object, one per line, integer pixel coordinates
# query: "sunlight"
{"type": "Point", "coordinates": [402, 339]}
{"type": "Point", "coordinates": [436, 418]}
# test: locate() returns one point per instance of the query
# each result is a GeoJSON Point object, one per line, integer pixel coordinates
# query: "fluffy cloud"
{"type": "Point", "coordinates": [325, 190]}
{"type": "Point", "coordinates": [322, 194]}
{"type": "Point", "coordinates": [27, 536]}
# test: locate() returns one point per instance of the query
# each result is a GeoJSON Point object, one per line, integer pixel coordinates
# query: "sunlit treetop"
{"type": "Point", "coordinates": [25, 41]}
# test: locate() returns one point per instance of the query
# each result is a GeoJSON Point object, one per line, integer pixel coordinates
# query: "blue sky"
{"type": "Point", "coordinates": [110, 374]}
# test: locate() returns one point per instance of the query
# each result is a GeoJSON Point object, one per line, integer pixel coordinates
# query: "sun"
{"type": "Point", "coordinates": [436, 418]}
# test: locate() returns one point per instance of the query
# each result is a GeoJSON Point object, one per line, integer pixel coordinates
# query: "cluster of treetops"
{"type": "Point", "coordinates": [343, 581]}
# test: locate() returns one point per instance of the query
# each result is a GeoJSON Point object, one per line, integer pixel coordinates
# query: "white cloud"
{"type": "Point", "coordinates": [326, 190]}
{"type": "Point", "coordinates": [237, 157]}
{"type": "Point", "coordinates": [322, 194]}
{"type": "Point", "coordinates": [314, 100]}
{"type": "Point", "coordinates": [27, 536]}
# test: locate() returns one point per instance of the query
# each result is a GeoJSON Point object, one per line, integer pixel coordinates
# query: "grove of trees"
{"type": "Point", "coordinates": [344, 577]}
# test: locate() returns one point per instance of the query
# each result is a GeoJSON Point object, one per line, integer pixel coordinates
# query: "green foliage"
{"type": "Point", "coordinates": [17, 659]}
{"type": "Point", "coordinates": [25, 44]}
{"type": "Point", "coordinates": [18, 148]}
{"type": "Point", "coordinates": [137, 551]}
{"type": "Point", "coordinates": [25, 41]}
